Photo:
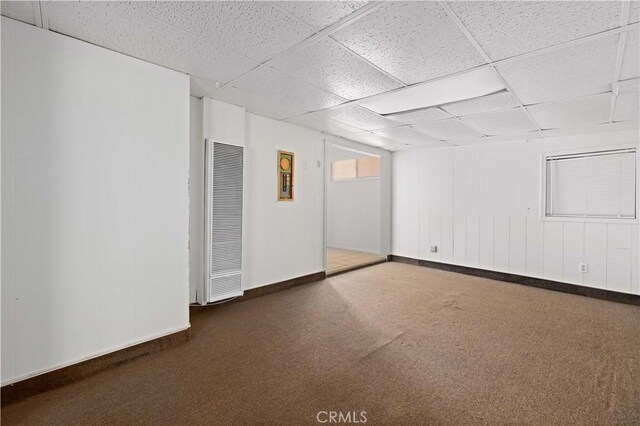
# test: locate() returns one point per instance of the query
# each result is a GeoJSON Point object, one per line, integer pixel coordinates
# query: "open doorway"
{"type": "Point", "coordinates": [354, 197]}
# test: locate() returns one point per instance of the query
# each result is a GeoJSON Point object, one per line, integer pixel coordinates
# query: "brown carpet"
{"type": "Point", "coordinates": [406, 344]}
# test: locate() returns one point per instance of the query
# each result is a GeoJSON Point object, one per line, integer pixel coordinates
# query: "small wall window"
{"type": "Point", "coordinates": [356, 168]}
{"type": "Point", "coordinates": [591, 185]}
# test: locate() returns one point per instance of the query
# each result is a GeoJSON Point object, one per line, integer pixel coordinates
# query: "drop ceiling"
{"type": "Point", "coordinates": [567, 67]}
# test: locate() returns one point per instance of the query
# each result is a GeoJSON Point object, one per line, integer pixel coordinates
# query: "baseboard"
{"type": "Point", "coordinates": [63, 376]}
{"type": "Point", "coordinates": [355, 268]}
{"type": "Point", "coordinates": [595, 293]}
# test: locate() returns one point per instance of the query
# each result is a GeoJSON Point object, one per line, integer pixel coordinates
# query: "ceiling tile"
{"type": "Point", "coordinates": [357, 116]}
{"type": "Point", "coordinates": [255, 103]}
{"type": "Point", "coordinates": [419, 116]}
{"type": "Point", "coordinates": [514, 137]}
{"type": "Point", "coordinates": [323, 124]}
{"type": "Point", "coordinates": [407, 135]}
{"type": "Point", "coordinates": [23, 11]}
{"type": "Point", "coordinates": [582, 69]}
{"type": "Point", "coordinates": [634, 11]}
{"type": "Point", "coordinates": [372, 139]}
{"type": "Point", "coordinates": [118, 26]}
{"type": "Point", "coordinates": [626, 108]}
{"type": "Point", "coordinates": [331, 66]}
{"type": "Point", "coordinates": [573, 112]}
{"type": "Point", "coordinates": [447, 130]}
{"type": "Point", "coordinates": [630, 63]}
{"type": "Point", "coordinates": [200, 87]}
{"type": "Point", "coordinates": [271, 83]}
{"type": "Point", "coordinates": [257, 29]}
{"type": "Point", "coordinates": [509, 28]}
{"type": "Point", "coordinates": [596, 128]}
{"type": "Point", "coordinates": [497, 102]}
{"type": "Point", "coordinates": [507, 122]}
{"type": "Point", "coordinates": [320, 14]}
{"type": "Point", "coordinates": [413, 41]}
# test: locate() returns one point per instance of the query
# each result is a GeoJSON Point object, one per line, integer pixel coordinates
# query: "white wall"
{"type": "Point", "coordinates": [353, 207]}
{"type": "Point", "coordinates": [94, 201]}
{"type": "Point", "coordinates": [480, 205]}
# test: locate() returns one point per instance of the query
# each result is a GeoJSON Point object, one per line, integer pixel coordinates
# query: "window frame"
{"type": "Point", "coordinates": [355, 179]}
{"type": "Point", "coordinates": [583, 151]}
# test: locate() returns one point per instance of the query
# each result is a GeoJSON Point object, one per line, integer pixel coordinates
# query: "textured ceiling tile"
{"type": "Point", "coordinates": [257, 29]}
{"type": "Point", "coordinates": [634, 11]}
{"type": "Point", "coordinates": [502, 122]}
{"type": "Point", "coordinates": [320, 14]}
{"type": "Point", "coordinates": [255, 103]}
{"type": "Point", "coordinates": [329, 65]}
{"type": "Point", "coordinates": [284, 88]}
{"type": "Point", "coordinates": [413, 41]}
{"type": "Point", "coordinates": [626, 108]}
{"type": "Point", "coordinates": [117, 26]}
{"type": "Point", "coordinates": [583, 69]}
{"type": "Point", "coordinates": [406, 135]}
{"type": "Point", "coordinates": [323, 124]}
{"type": "Point", "coordinates": [420, 116]}
{"type": "Point", "coordinates": [447, 130]}
{"type": "Point", "coordinates": [630, 63]}
{"type": "Point", "coordinates": [372, 139]}
{"type": "Point", "coordinates": [497, 102]}
{"type": "Point", "coordinates": [20, 10]}
{"type": "Point", "coordinates": [573, 112]}
{"type": "Point", "coordinates": [509, 28]}
{"type": "Point", "coordinates": [596, 128]}
{"type": "Point", "coordinates": [200, 87]}
{"type": "Point", "coordinates": [357, 116]}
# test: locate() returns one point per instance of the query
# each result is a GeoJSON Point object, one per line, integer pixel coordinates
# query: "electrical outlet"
{"type": "Point", "coordinates": [434, 249]}
{"type": "Point", "coordinates": [583, 267]}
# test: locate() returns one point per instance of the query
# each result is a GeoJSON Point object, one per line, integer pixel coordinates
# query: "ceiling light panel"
{"type": "Point", "coordinates": [459, 87]}
{"type": "Point", "coordinates": [323, 124]}
{"type": "Point", "coordinates": [320, 14]}
{"type": "Point", "coordinates": [582, 69]}
{"type": "Point", "coordinates": [284, 88]}
{"type": "Point", "coordinates": [630, 63]}
{"type": "Point", "coordinates": [419, 116]}
{"type": "Point", "coordinates": [506, 29]}
{"type": "Point", "coordinates": [495, 102]}
{"type": "Point", "coordinates": [413, 41]}
{"type": "Point", "coordinates": [447, 130]}
{"type": "Point", "coordinates": [626, 108]}
{"type": "Point", "coordinates": [507, 122]}
{"type": "Point", "coordinates": [259, 30]}
{"type": "Point", "coordinates": [574, 112]}
{"type": "Point", "coordinates": [256, 103]}
{"type": "Point", "coordinates": [407, 135]}
{"type": "Point", "coordinates": [359, 117]}
{"type": "Point", "coordinates": [334, 68]}
{"type": "Point", "coordinates": [23, 11]}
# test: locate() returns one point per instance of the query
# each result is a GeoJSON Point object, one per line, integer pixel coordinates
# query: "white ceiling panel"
{"type": "Point", "coordinates": [497, 102]}
{"type": "Point", "coordinates": [255, 103]}
{"type": "Point", "coordinates": [413, 41]}
{"type": "Point", "coordinates": [583, 69]}
{"type": "Point", "coordinates": [630, 63]}
{"type": "Point", "coordinates": [257, 29]}
{"type": "Point", "coordinates": [284, 88]}
{"type": "Point", "coordinates": [596, 128]}
{"type": "Point", "coordinates": [507, 122]}
{"type": "Point", "coordinates": [118, 27]}
{"type": "Point", "coordinates": [334, 68]}
{"type": "Point", "coordinates": [509, 28]}
{"type": "Point", "coordinates": [324, 124]}
{"type": "Point", "coordinates": [419, 116]}
{"type": "Point", "coordinates": [372, 139]}
{"type": "Point", "coordinates": [514, 137]}
{"type": "Point", "coordinates": [357, 116]}
{"type": "Point", "coordinates": [20, 10]}
{"type": "Point", "coordinates": [573, 112]}
{"type": "Point", "coordinates": [447, 130]}
{"type": "Point", "coordinates": [634, 11]}
{"type": "Point", "coordinates": [626, 108]}
{"type": "Point", "coordinates": [200, 87]}
{"type": "Point", "coordinates": [406, 135]}
{"type": "Point", "coordinates": [320, 14]}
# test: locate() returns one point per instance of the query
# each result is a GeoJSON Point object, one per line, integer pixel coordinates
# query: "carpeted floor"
{"type": "Point", "coordinates": [406, 344]}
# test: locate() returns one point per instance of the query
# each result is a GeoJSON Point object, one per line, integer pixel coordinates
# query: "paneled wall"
{"type": "Point", "coordinates": [481, 206]}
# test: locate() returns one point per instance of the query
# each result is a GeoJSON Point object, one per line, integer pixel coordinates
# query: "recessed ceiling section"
{"type": "Point", "coordinates": [489, 103]}
{"type": "Point", "coordinates": [508, 28]}
{"type": "Point", "coordinates": [626, 108]}
{"type": "Point", "coordinates": [582, 69]}
{"type": "Point", "coordinates": [512, 121]}
{"type": "Point", "coordinates": [256, 103]}
{"type": "Point", "coordinates": [320, 14]}
{"type": "Point", "coordinates": [284, 88]}
{"type": "Point", "coordinates": [419, 116]}
{"type": "Point", "coordinates": [630, 63]}
{"type": "Point", "coordinates": [24, 11]}
{"type": "Point", "coordinates": [324, 124]}
{"type": "Point", "coordinates": [413, 41]}
{"type": "Point", "coordinates": [473, 84]}
{"type": "Point", "coordinates": [447, 130]}
{"type": "Point", "coordinates": [358, 117]}
{"type": "Point", "coordinates": [572, 113]}
{"type": "Point", "coordinates": [406, 135]}
{"type": "Point", "coordinates": [331, 66]}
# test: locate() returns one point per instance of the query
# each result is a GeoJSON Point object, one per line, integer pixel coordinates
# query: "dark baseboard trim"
{"type": "Point", "coordinates": [73, 373]}
{"type": "Point", "coordinates": [595, 293]}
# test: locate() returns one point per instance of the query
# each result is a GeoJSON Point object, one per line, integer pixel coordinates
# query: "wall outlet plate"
{"type": "Point", "coordinates": [434, 249]}
{"type": "Point", "coordinates": [583, 267]}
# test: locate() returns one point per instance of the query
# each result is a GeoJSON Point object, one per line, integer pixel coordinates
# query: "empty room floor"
{"type": "Point", "coordinates": [406, 344]}
{"type": "Point", "coordinates": [339, 260]}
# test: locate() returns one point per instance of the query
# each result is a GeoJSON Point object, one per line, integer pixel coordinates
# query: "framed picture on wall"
{"type": "Point", "coordinates": [285, 176]}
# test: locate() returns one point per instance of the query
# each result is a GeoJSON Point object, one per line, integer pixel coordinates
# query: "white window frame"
{"type": "Point", "coordinates": [581, 151]}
